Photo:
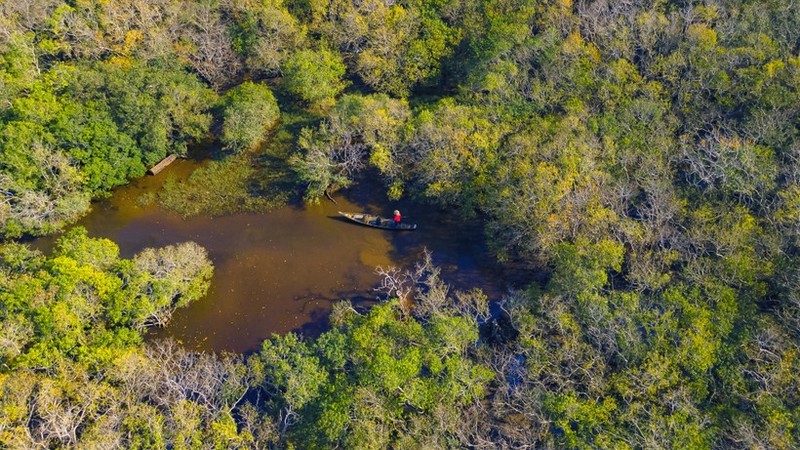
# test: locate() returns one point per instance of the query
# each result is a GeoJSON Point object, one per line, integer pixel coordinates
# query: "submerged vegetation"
{"type": "Point", "coordinates": [220, 187]}
{"type": "Point", "coordinates": [645, 155]}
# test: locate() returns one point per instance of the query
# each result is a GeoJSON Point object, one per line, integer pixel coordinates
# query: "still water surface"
{"type": "Point", "coordinates": [282, 270]}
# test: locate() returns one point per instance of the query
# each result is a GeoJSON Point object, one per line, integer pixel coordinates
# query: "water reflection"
{"type": "Point", "coordinates": [281, 271]}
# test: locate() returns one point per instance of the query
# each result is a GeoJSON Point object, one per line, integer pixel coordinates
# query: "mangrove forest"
{"type": "Point", "coordinates": [629, 170]}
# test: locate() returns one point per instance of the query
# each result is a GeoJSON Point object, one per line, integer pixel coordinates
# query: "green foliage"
{"type": "Point", "coordinates": [577, 419]}
{"type": "Point", "coordinates": [547, 190]}
{"type": "Point", "coordinates": [359, 131]}
{"type": "Point", "coordinates": [317, 166]}
{"type": "Point", "coordinates": [381, 369]}
{"type": "Point", "coordinates": [83, 131]}
{"type": "Point", "coordinates": [161, 107]}
{"type": "Point", "coordinates": [499, 26]}
{"type": "Point", "coordinates": [250, 111]}
{"type": "Point", "coordinates": [419, 40]}
{"type": "Point", "coordinates": [314, 76]}
{"type": "Point", "coordinates": [83, 301]}
{"type": "Point", "coordinates": [292, 369]}
{"type": "Point", "coordinates": [643, 154]}
{"type": "Point", "coordinates": [583, 266]}
{"type": "Point", "coordinates": [390, 47]}
{"type": "Point", "coordinates": [79, 130]}
{"type": "Point", "coordinates": [265, 33]}
{"type": "Point", "coordinates": [41, 189]}
{"type": "Point", "coordinates": [456, 149]}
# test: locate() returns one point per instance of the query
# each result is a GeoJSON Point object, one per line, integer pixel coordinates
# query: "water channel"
{"type": "Point", "coordinates": [281, 271]}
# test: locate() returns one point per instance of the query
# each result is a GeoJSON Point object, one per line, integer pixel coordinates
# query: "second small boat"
{"type": "Point", "coordinates": [374, 221]}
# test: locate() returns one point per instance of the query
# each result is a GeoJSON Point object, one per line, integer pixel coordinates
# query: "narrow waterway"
{"type": "Point", "coordinates": [282, 270]}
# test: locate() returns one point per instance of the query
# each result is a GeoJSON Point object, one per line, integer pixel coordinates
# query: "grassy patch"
{"type": "Point", "coordinates": [146, 199]}
{"type": "Point", "coordinates": [223, 187]}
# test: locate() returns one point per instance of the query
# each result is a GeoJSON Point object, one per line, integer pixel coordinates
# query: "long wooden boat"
{"type": "Point", "coordinates": [371, 220]}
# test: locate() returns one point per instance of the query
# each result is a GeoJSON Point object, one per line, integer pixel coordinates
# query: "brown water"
{"type": "Point", "coordinates": [281, 271]}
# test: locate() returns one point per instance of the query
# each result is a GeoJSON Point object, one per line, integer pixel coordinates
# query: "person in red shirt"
{"type": "Point", "coordinates": [397, 217]}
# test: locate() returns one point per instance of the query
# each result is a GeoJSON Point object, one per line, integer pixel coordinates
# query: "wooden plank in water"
{"type": "Point", "coordinates": [164, 163]}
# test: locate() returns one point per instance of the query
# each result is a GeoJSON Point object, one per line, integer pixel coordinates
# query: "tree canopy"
{"type": "Point", "coordinates": [642, 156]}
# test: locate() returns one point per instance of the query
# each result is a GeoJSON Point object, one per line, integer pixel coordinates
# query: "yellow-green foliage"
{"type": "Point", "coordinates": [641, 157]}
{"type": "Point", "coordinates": [85, 303]}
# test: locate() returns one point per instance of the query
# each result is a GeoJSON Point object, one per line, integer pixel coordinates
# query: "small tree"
{"type": "Point", "coordinates": [314, 76]}
{"type": "Point", "coordinates": [250, 111]}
